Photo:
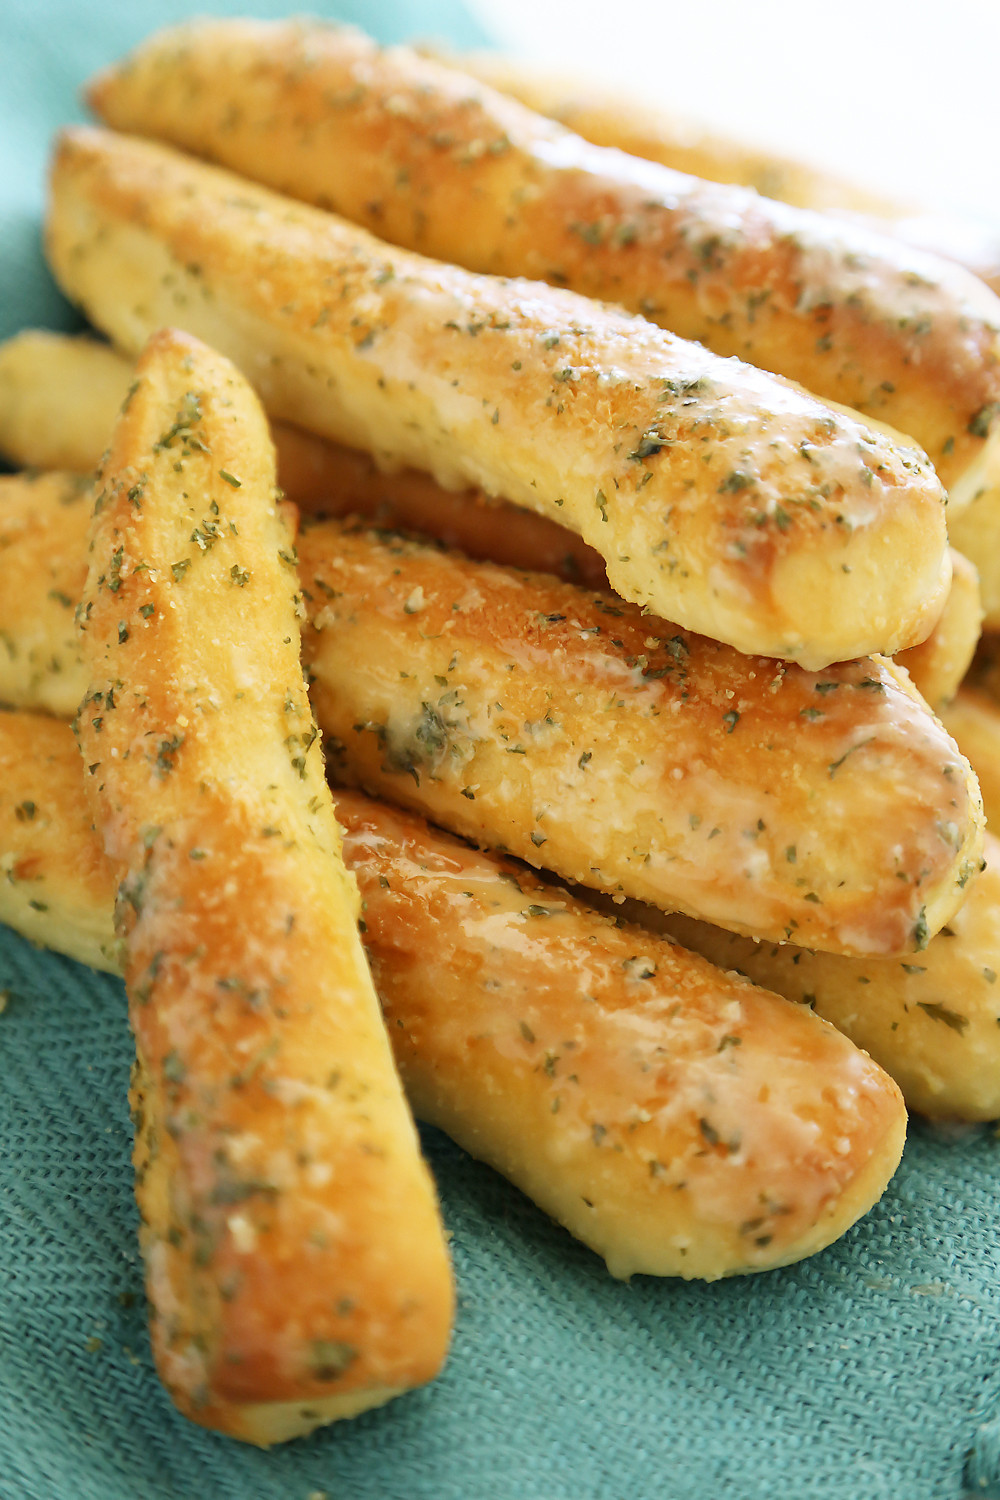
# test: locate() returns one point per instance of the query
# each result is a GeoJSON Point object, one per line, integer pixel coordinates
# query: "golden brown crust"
{"type": "Point", "coordinates": [588, 738]}
{"type": "Point", "coordinates": [295, 1263]}
{"type": "Point", "coordinates": [609, 117]}
{"type": "Point", "coordinates": [933, 1022]}
{"type": "Point", "coordinates": [938, 665]}
{"type": "Point", "coordinates": [718, 495]}
{"type": "Point", "coordinates": [536, 1032]}
{"type": "Point", "coordinates": [424, 156]}
{"type": "Point", "coordinates": [650, 755]}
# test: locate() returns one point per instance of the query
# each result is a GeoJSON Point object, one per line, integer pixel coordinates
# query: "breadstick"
{"type": "Point", "coordinates": [984, 673]}
{"type": "Point", "coordinates": [610, 117]}
{"type": "Point", "coordinates": [47, 375]}
{"type": "Point", "coordinates": [59, 397]}
{"type": "Point", "coordinates": [330, 480]}
{"type": "Point", "coordinates": [969, 242]}
{"type": "Point", "coordinates": [938, 665]}
{"type": "Point", "coordinates": [625, 754]}
{"type": "Point", "coordinates": [295, 1264]}
{"type": "Point", "coordinates": [718, 496]}
{"type": "Point", "coordinates": [932, 1021]}
{"type": "Point", "coordinates": [577, 1057]}
{"type": "Point", "coordinates": [43, 537]}
{"type": "Point", "coordinates": [973, 719]}
{"type": "Point", "coordinates": [57, 887]}
{"type": "Point", "coordinates": [976, 532]}
{"type": "Point", "coordinates": [426, 157]}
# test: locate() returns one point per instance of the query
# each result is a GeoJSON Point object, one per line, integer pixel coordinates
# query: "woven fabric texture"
{"type": "Point", "coordinates": [871, 1372]}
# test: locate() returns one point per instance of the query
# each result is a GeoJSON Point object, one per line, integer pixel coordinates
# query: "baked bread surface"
{"type": "Point", "coordinates": [295, 1262]}
{"type": "Point", "coordinates": [57, 888]}
{"type": "Point", "coordinates": [608, 1075]}
{"type": "Point", "coordinates": [63, 393]}
{"type": "Point", "coordinates": [586, 737]}
{"type": "Point", "coordinates": [939, 664]}
{"type": "Point", "coordinates": [932, 1019]}
{"type": "Point", "coordinates": [59, 397]}
{"type": "Point", "coordinates": [718, 496]}
{"type": "Point", "coordinates": [976, 532]}
{"type": "Point", "coordinates": [425, 156]}
{"type": "Point", "coordinates": [972, 718]}
{"type": "Point", "coordinates": [596, 1066]}
{"type": "Point", "coordinates": [609, 117]}
{"type": "Point", "coordinates": [44, 531]}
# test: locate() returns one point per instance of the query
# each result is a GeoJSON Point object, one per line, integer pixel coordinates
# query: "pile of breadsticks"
{"type": "Point", "coordinates": [399, 264]}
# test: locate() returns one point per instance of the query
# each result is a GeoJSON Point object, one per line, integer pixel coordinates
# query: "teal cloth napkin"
{"type": "Point", "coordinates": [870, 1372]}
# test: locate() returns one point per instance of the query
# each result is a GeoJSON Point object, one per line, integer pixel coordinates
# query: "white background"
{"type": "Point", "coordinates": [903, 97]}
